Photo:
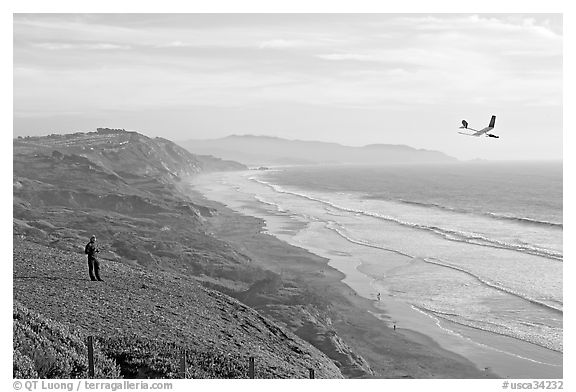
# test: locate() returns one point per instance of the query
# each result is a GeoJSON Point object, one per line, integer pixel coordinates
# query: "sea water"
{"type": "Point", "coordinates": [476, 245]}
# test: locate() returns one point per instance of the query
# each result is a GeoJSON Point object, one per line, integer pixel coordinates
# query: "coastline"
{"type": "Point", "coordinates": [400, 353]}
{"type": "Point", "coordinates": [491, 354]}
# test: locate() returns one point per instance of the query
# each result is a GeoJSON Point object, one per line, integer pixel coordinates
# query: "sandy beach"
{"type": "Point", "coordinates": [362, 322]}
{"type": "Point", "coordinates": [349, 279]}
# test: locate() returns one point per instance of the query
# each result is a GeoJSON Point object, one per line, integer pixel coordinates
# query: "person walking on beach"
{"type": "Point", "coordinates": [378, 296]}
{"type": "Point", "coordinates": [93, 264]}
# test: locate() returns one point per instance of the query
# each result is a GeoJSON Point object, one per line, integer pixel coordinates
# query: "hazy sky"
{"type": "Point", "coordinates": [349, 78]}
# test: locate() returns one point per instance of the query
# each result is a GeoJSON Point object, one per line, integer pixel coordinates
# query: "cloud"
{"type": "Point", "coordinates": [365, 61]}
{"type": "Point", "coordinates": [345, 56]}
{"type": "Point", "coordinates": [173, 44]}
{"type": "Point", "coordinates": [107, 46]}
{"type": "Point", "coordinates": [280, 44]}
{"type": "Point", "coordinates": [79, 46]}
{"type": "Point", "coordinates": [490, 25]}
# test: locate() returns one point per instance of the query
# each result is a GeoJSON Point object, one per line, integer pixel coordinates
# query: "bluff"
{"type": "Point", "coordinates": [156, 253]}
{"type": "Point", "coordinates": [117, 183]}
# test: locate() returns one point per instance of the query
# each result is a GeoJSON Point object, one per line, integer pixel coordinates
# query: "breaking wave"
{"type": "Point", "coordinates": [441, 263]}
{"type": "Point", "coordinates": [452, 235]}
{"type": "Point", "coordinates": [493, 215]}
{"type": "Point", "coordinates": [493, 328]}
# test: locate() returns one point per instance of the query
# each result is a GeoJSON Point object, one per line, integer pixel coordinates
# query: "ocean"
{"type": "Point", "coordinates": [475, 247]}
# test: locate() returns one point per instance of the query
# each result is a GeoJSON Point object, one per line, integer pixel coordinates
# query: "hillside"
{"type": "Point", "coordinates": [157, 307]}
{"type": "Point", "coordinates": [265, 150]}
{"type": "Point", "coordinates": [126, 152]}
{"type": "Point", "coordinates": [121, 185]}
{"type": "Point", "coordinates": [124, 187]}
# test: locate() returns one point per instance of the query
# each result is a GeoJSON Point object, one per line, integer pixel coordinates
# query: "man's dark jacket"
{"type": "Point", "coordinates": [91, 250]}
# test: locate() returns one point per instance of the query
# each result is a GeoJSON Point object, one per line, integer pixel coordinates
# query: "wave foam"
{"type": "Point", "coordinates": [449, 234]}
{"type": "Point", "coordinates": [494, 285]}
{"type": "Point", "coordinates": [264, 201]}
{"type": "Point", "coordinates": [436, 316]}
{"type": "Point", "coordinates": [442, 263]}
{"type": "Point", "coordinates": [494, 215]}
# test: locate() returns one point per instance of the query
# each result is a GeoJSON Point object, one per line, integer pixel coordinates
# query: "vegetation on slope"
{"type": "Point", "coordinates": [136, 314]}
{"type": "Point", "coordinates": [124, 187]}
{"type": "Point", "coordinates": [44, 348]}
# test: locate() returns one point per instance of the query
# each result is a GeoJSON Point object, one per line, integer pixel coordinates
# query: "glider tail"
{"type": "Point", "coordinates": [492, 122]}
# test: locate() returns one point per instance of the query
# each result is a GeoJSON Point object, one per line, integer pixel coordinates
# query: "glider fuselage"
{"type": "Point", "coordinates": [483, 131]}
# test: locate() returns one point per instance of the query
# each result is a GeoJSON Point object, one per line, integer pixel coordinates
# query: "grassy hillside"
{"type": "Point", "coordinates": [124, 187]}
{"type": "Point", "coordinates": [47, 349]}
{"type": "Point", "coordinates": [143, 319]}
{"type": "Point", "coordinates": [44, 348]}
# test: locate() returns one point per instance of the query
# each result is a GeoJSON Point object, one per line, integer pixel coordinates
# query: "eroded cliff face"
{"type": "Point", "coordinates": [123, 185]}
{"type": "Point", "coordinates": [130, 191]}
{"type": "Point", "coordinates": [121, 153]}
{"type": "Point", "coordinates": [125, 188]}
{"type": "Point", "coordinates": [312, 325]}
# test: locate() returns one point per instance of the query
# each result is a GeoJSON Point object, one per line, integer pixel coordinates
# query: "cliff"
{"type": "Point", "coordinates": [156, 254]}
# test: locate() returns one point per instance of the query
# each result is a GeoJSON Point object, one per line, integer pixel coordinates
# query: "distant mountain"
{"type": "Point", "coordinates": [266, 150]}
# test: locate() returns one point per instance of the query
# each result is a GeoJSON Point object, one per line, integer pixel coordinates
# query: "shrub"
{"type": "Point", "coordinates": [139, 358]}
{"type": "Point", "coordinates": [47, 349]}
{"type": "Point", "coordinates": [23, 367]}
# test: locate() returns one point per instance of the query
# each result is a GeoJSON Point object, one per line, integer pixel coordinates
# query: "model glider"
{"type": "Point", "coordinates": [483, 131]}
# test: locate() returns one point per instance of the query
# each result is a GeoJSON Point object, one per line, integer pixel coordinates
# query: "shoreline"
{"type": "Point", "coordinates": [498, 355]}
{"type": "Point", "coordinates": [502, 355]}
{"type": "Point", "coordinates": [400, 353]}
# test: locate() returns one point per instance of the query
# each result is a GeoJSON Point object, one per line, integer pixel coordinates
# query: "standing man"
{"type": "Point", "coordinates": [93, 263]}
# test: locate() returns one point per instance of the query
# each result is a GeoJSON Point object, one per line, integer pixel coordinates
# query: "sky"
{"type": "Point", "coordinates": [354, 79]}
